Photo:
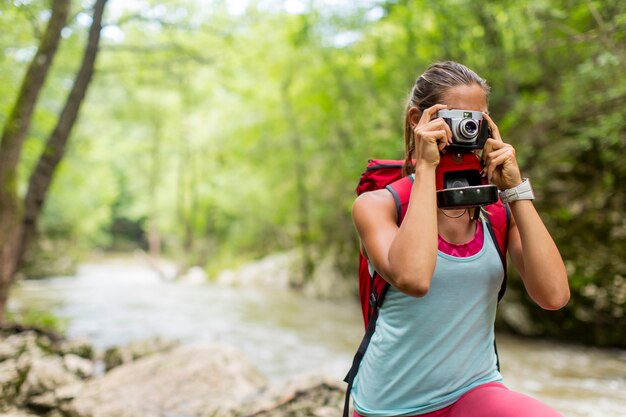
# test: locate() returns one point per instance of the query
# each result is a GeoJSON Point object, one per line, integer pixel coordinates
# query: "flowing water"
{"type": "Point", "coordinates": [285, 335]}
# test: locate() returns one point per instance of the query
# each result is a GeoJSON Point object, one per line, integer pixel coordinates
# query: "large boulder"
{"type": "Point", "coordinates": [44, 377]}
{"type": "Point", "coordinates": [119, 355]}
{"type": "Point", "coordinates": [312, 396]}
{"type": "Point", "coordinates": [191, 380]}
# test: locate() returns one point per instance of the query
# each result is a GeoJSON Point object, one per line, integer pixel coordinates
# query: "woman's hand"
{"type": "Point", "coordinates": [432, 134]}
{"type": "Point", "coordinates": [499, 159]}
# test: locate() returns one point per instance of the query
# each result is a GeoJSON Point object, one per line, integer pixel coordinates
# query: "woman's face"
{"type": "Point", "coordinates": [466, 97]}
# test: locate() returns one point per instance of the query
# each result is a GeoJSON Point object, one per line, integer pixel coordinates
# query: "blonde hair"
{"type": "Point", "coordinates": [428, 90]}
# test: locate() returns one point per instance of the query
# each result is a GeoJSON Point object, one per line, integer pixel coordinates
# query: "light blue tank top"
{"type": "Point", "coordinates": [427, 352]}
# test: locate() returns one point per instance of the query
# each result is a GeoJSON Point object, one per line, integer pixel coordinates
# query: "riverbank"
{"type": "Point", "coordinates": [44, 374]}
{"type": "Point", "coordinates": [286, 334]}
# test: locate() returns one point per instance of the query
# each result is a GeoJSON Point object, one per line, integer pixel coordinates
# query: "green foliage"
{"type": "Point", "coordinates": [235, 135]}
{"type": "Point", "coordinates": [38, 319]}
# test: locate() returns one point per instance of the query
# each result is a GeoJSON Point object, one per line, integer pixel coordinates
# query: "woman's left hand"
{"type": "Point", "coordinates": [499, 159]}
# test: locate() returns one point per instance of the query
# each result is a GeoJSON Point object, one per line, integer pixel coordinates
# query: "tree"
{"type": "Point", "coordinates": [13, 135]}
{"type": "Point", "coordinates": [18, 220]}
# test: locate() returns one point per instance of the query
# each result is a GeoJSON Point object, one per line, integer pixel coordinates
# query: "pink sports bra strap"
{"type": "Point", "coordinates": [464, 250]}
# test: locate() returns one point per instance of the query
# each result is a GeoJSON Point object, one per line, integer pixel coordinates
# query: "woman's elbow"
{"type": "Point", "coordinates": [412, 287]}
{"type": "Point", "coordinates": [556, 301]}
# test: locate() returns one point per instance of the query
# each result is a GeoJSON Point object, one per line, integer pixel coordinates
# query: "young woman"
{"type": "Point", "coordinates": [432, 353]}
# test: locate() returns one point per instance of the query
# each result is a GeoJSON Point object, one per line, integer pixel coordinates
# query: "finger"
{"type": "Point", "coordinates": [499, 159]}
{"type": "Point", "coordinates": [442, 145]}
{"type": "Point", "coordinates": [487, 149]}
{"type": "Point", "coordinates": [433, 136]}
{"type": "Point", "coordinates": [495, 133]}
{"type": "Point", "coordinates": [429, 113]}
{"type": "Point", "coordinates": [500, 150]}
{"type": "Point", "coordinates": [433, 125]}
{"type": "Point", "coordinates": [490, 146]}
{"type": "Point", "coordinates": [496, 152]}
{"type": "Point", "coordinates": [441, 124]}
{"type": "Point", "coordinates": [448, 132]}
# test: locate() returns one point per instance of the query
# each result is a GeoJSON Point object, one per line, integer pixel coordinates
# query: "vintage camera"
{"type": "Point", "coordinates": [469, 129]}
{"type": "Point", "coordinates": [459, 183]}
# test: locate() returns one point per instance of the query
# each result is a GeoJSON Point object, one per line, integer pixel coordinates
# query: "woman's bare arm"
{"type": "Point", "coordinates": [405, 256]}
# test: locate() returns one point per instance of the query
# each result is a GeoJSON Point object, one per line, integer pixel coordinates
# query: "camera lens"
{"type": "Point", "coordinates": [457, 183]}
{"type": "Point", "coordinates": [468, 128]}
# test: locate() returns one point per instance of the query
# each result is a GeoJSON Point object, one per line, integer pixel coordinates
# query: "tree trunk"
{"type": "Point", "coordinates": [154, 237]}
{"type": "Point", "coordinates": [302, 195]}
{"type": "Point", "coordinates": [43, 174]}
{"type": "Point", "coordinates": [12, 141]}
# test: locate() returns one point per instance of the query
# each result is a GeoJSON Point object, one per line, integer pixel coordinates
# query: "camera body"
{"type": "Point", "coordinates": [469, 129]}
{"type": "Point", "coordinates": [459, 180]}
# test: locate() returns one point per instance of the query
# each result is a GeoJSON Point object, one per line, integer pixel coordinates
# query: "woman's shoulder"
{"type": "Point", "coordinates": [375, 203]}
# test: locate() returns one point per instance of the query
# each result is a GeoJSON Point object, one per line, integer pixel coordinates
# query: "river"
{"type": "Point", "coordinates": [114, 302]}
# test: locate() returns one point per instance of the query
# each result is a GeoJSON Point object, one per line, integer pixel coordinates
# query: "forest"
{"type": "Point", "coordinates": [219, 132]}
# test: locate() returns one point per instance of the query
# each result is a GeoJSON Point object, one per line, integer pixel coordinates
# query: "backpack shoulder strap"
{"type": "Point", "coordinates": [358, 357]}
{"type": "Point", "coordinates": [497, 219]}
{"type": "Point", "coordinates": [501, 242]}
{"type": "Point", "coordinates": [401, 192]}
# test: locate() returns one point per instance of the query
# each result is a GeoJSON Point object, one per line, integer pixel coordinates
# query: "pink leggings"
{"type": "Point", "coordinates": [493, 400]}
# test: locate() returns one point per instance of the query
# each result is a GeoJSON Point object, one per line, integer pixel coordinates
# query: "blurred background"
{"type": "Point", "coordinates": [186, 169]}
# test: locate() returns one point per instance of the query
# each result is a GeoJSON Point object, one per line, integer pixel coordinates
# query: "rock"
{"type": "Point", "coordinates": [15, 345]}
{"type": "Point", "coordinates": [116, 356]}
{"type": "Point", "coordinates": [43, 403]}
{"type": "Point", "coordinates": [305, 396]}
{"type": "Point", "coordinates": [31, 380]}
{"type": "Point", "coordinates": [68, 392]}
{"type": "Point", "coordinates": [193, 276]}
{"type": "Point", "coordinates": [18, 353]}
{"type": "Point", "coordinates": [79, 366]}
{"type": "Point", "coordinates": [55, 402]}
{"type": "Point", "coordinates": [283, 271]}
{"type": "Point", "coordinates": [11, 380]}
{"type": "Point", "coordinates": [191, 380]}
{"type": "Point", "coordinates": [44, 376]}
{"type": "Point", "coordinates": [15, 412]}
{"type": "Point", "coordinates": [272, 271]}
{"type": "Point", "coordinates": [34, 373]}
{"type": "Point", "coordinates": [327, 281]}
{"type": "Point", "coordinates": [9, 349]}
{"type": "Point", "coordinates": [80, 347]}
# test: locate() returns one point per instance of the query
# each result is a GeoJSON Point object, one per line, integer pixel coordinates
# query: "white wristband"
{"type": "Point", "coordinates": [524, 191]}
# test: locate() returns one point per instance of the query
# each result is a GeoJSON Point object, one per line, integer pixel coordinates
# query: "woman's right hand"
{"type": "Point", "coordinates": [432, 134]}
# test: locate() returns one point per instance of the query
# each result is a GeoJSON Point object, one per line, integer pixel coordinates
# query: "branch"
{"type": "Point", "coordinates": [182, 52]}
{"type": "Point", "coordinates": [30, 16]}
{"type": "Point", "coordinates": [604, 33]}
